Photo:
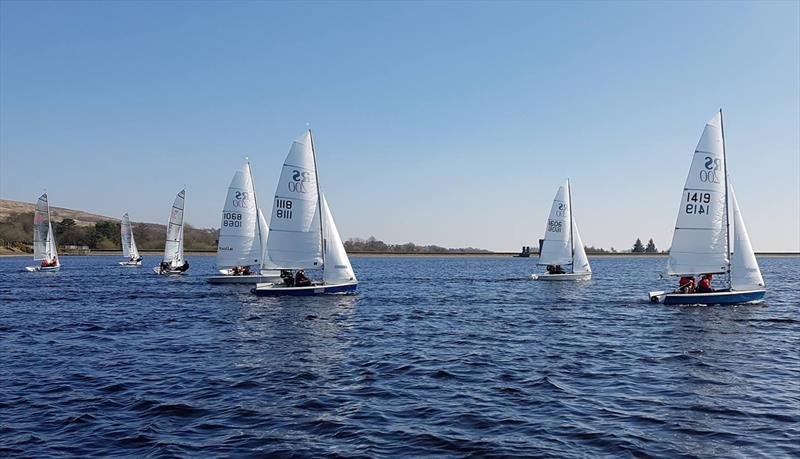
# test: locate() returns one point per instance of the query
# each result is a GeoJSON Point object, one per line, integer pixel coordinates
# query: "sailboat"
{"type": "Point", "coordinates": [44, 241]}
{"type": "Point", "coordinates": [129, 249]}
{"type": "Point", "coordinates": [173, 262]}
{"type": "Point", "coordinates": [701, 243]}
{"type": "Point", "coordinates": [562, 249]}
{"type": "Point", "coordinates": [242, 235]}
{"type": "Point", "coordinates": [302, 233]}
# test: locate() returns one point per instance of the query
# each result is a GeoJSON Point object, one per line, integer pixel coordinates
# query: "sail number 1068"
{"type": "Point", "coordinates": [697, 203]}
{"type": "Point", "coordinates": [231, 219]}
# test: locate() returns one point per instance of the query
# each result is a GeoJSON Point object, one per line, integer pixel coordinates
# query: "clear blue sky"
{"type": "Point", "coordinates": [445, 123]}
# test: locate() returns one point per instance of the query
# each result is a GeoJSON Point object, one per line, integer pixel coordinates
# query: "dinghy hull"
{"type": "Point", "coordinates": [49, 269]}
{"type": "Point", "coordinates": [278, 290]}
{"type": "Point", "coordinates": [130, 263]}
{"type": "Point", "coordinates": [561, 277]}
{"type": "Point", "coordinates": [158, 270]}
{"type": "Point", "coordinates": [249, 279]}
{"type": "Point", "coordinates": [709, 298]}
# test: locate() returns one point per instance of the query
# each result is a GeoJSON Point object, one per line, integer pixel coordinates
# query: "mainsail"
{"type": "Point", "coordinates": [240, 230]}
{"type": "Point", "coordinates": [44, 244]}
{"type": "Point", "coordinates": [294, 231]}
{"type": "Point", "coordinates": [699, 244]}
{"type": "Point", "coordinates": [337, 264]}
{"type": "Point", "coordinates": [128, 242]}
{"type": "Point", "coordinates": [173, 249]}
{"type": "Point", "coordinates": [556, 248]}
{"type": "Point", "coordinates": [745, 273]}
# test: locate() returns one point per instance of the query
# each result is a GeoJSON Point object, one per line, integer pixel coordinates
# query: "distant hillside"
{"type": "Point", "coordinates": [98, 232]}
{"type": "Point", "coordinates": [9, 208]}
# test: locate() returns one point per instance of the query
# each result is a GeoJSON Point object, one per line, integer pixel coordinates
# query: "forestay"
{"type": "Point", "coordinates": [173, 249]}
{"type": "Point", "coordinates": [128, 242]}
{"type": "Point", "coordinates": [699, 244]}
{"type": "Point", "coordinates": [745, 273]}
{"type": "Point", "coordinates": [337, 265]}
{"type": "Point", "coordinates": [44, 247]}
{"type": "Point", "coordinates": [239, 235]}
{"type": "Point", "coordinates": [556, 249]}
{"type": "Point", "coordinates": [295, 241]}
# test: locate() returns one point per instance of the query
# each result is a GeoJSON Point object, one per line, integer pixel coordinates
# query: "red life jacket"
{"type": "Point", "coordinates": [705, 284]}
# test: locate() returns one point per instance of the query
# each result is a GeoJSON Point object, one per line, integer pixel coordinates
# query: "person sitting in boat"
{"type": "Point", "coordinates": [164, 267]}
{"type": "Point", "coordinates": [288, 279]}
{"type": "Point", "coordinates": [136, 259]}
{"type": "Point", "coordinates": [183, 267]}
{"type": "Point", "coordinates": [236, 270]}
{"type": "Point", "coordinates": [705, 284]}
{"type": "Point", "coordinates": [48, 263]}
{"type": "Point", "coordinates": [301, 280]}
{"type": "Point", "coordinates": [555, 269]}
{"type": "Point", "coordinates": [686, 284]}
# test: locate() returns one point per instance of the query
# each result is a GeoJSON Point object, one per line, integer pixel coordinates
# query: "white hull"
{"type": "Point", "coordinates": [249, 279]}
{"type": "Point", "coordinates": [561, 277]}
{"type": "Point", "coordinates": [130, 263]}
{"type": "Point", "coordinates": [34, 269]}
{"type": "Point", "coordinates": [157, 270]}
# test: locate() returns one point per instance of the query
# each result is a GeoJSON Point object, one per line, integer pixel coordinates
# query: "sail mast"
{"type": "Point", "coordinates": [258, 219]}
{"type": "Point", "coordinates": [319, 198]}
{"type": "Point", "coordinates": [727, 216]}
{"type": "Point", "coordinates": [571, 244]}
{"type": "Point", "coordinates": [50, 236]}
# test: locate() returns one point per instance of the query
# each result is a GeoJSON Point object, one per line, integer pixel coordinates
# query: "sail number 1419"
{"type": "Point", "coordinates": [697, 203]}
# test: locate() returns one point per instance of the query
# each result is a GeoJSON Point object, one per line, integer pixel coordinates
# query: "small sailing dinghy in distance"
{"type": "Point", "coordinates": [242, 235]}
{"type": "Point", "coordinates": [173, 262]}
{"type": "Point", "coordinates": [44, 240]}
{"type": "Point", "coordinates": [562, 244]}
{"type": "Point", "coordinates": [701, 243]}
{"type": "Point", "coordinates": [129, 249]}
{"type": "Point", "coordinates": [302, 233]}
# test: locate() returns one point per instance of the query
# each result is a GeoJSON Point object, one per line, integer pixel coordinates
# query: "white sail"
{"type": "Point", "coordinates": [173, 249]}
{"type": "Point", "coordinates": [42, 230]}
{"type": "Point", "coordinates": [556, 249]}
{"type": "Point", "coordinates": [337, 264]}
{"type": "Point", "coordinates": [580, 263]}
{"type": "Point", "coordinates": [133, 249]}
{"type": "Point", "coordinates": [52, 252]}
{"type": "Point", "coordinates": [699, 244]}
{"type": "Point", "coordinates": [264, 237]}
{"type": "Point", "coordinates": [294, 240]}
{"type": "Point", "coordinates": [745, 273]}
{"type": "Point", "coordinates": [239, 234]}
{"type": "Point", "coordinates": [128, 243]}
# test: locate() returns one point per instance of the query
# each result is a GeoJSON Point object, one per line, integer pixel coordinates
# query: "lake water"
{"type": "Point", "coordinates": [434, 357]}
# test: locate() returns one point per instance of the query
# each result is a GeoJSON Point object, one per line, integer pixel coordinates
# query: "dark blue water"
{"type": "Point", "coordinates": [434, 357]}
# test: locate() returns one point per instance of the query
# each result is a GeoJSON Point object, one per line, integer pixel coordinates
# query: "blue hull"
{"type": "Point", "coordinates": [305, 291]}
{"type": "Point", "coordinates": [729, 297]}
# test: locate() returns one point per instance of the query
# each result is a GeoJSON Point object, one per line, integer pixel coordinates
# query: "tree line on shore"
{"type": "Point", "coordinates": [373, 245]}
{"type": "Point", "coordinates": [17, 231]}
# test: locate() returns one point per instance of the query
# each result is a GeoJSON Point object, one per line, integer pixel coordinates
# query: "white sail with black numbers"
{"type": "Point", "coordinates": [699, 244]}
{"type": "Point", "coordinates": [745, 273]}
{"type": "Point", "coordinates": [295, 241]}
{"type": "Point", "coordinates": [173, 249]}
{"type": "Point", "coordinates": [128, 242]}
{"type": "Point", "coordinates": [240, 230]}
{"type": "Point", "coordinates": [337, 264]}
{"type": "Point", "coordinates": [556, 248]}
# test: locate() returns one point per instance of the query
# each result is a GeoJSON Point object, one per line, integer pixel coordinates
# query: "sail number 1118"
{"type": "Point", "coordinates": [697, 203]}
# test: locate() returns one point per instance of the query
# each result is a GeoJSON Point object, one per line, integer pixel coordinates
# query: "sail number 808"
{"type": "Point", "coordinates": [231, 219]}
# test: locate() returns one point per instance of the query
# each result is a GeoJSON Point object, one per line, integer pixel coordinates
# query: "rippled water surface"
{"type": "Point", "coordinates": [433, 357]}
